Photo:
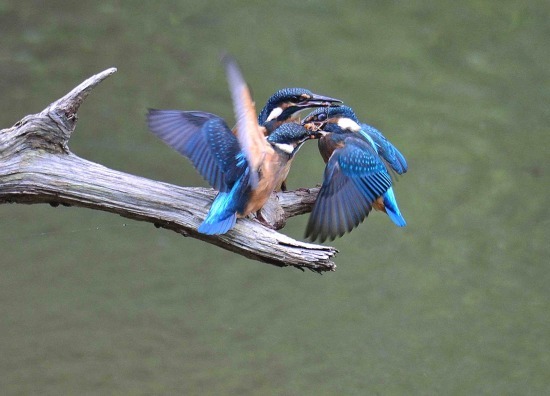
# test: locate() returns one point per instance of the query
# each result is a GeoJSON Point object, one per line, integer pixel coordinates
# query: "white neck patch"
{"type": "Point", "coordinates": [276, 112]}
{"type": "Point", "coordinates": [349, 124]}
{"type": "Point", "coordinates": [285, 147]}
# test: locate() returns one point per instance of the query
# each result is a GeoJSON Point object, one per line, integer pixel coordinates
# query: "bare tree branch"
{"type": "Point", "coordinates": [36, 166]}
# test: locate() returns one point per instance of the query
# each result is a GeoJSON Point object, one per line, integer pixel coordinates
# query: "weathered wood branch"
{"type": "Point", "coordinates": [36, 166]}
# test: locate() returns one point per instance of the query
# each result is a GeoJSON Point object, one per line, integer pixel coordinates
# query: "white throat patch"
{"type": "Point", "coordinates": [349, 124]}
{"type": "Point", "coordinates": [276, 112]}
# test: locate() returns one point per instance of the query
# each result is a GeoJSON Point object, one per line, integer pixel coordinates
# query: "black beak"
{"type": "Point", "coordinates": [320, 101]}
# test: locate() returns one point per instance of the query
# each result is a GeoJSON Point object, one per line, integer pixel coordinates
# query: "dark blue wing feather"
{"type": "Point", "coordinates": [225, 148]}
{"type": "Point", "coordinates": [202, 137]}
{"type": "Point", "coordinates": [175, 127]}
{"type": "Point", "coordinates": [354, 178]}
{"type": "Point", "coordinates": [387, 151]}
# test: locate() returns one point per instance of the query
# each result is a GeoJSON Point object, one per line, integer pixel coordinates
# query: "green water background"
{"type": "Point", "coordinates": [456, 303]}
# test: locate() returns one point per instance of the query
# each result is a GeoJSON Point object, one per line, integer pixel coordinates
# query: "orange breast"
{"type": "Point", "coordinates": [327, 146]}
{"type": "Point", "coordinates": [283, 174]}
{"type": "Point", "coordinates": [379, 204]}
{"type": "Point", "coordinates": [273, 172]}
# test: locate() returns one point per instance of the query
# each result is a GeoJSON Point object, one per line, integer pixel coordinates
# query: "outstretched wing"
{"type": "Point", "coordinates": [202, 137]}
{"type": "Point", "coordinates": [387, 151]}
{"type": "Point", "coordinates": [354, 178]}
{"type": "Point", "coordinates": [249, 133]}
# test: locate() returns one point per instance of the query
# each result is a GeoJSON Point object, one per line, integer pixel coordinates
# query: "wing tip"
{"type": "Point", "coordinates": [226, 58]}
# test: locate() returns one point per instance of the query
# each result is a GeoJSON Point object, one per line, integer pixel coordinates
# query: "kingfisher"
{"type": "Point", "coordinates": [245, 166]}
{"type": "Point", "coordinates": [280, 108]}
{"type": "Point", "coordinates": [358, 158]}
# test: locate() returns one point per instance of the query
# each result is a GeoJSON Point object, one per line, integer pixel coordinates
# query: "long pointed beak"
{"type": "Point", "coordinates": [321, 101]}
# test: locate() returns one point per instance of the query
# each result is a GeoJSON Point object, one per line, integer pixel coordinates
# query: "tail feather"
{"type": "Point", "coordinates": [222, 215]}
{"type": "Point", "coordinates": [392, 210]}
{"type": "Point", "coordinates": [212, 226]}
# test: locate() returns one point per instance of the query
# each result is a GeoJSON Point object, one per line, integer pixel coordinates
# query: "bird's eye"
{"type": "Point", "coordinates": [295, 99]}
{"type": "Point", "coordinates": [322, 117]}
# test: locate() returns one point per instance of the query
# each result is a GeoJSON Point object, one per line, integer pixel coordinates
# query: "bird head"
{"type": "Point", "coordinates": [339, 119]}
{"type": "Point", "coordinates": [290, 136]}
{"type": "Point", "coordinates": [285, 103]}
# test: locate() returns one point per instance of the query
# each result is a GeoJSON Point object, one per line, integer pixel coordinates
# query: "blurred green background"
{"type": "Point", "coordinates": [458, 302]}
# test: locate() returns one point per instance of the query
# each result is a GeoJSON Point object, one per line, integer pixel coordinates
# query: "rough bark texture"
{"type": "Point", "coordinates": [36, 166]}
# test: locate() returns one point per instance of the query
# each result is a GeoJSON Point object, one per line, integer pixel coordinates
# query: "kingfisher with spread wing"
{"type": "Point", "coordinates": [245, 166]}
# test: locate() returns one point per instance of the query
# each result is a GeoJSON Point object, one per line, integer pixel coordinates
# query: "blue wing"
{"type": "Point", "coordinates": [387, 151]}
{"type": "Point", "coordinates": [205, 139]}
{"type": "Point", "coordinates": [354, 178]}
